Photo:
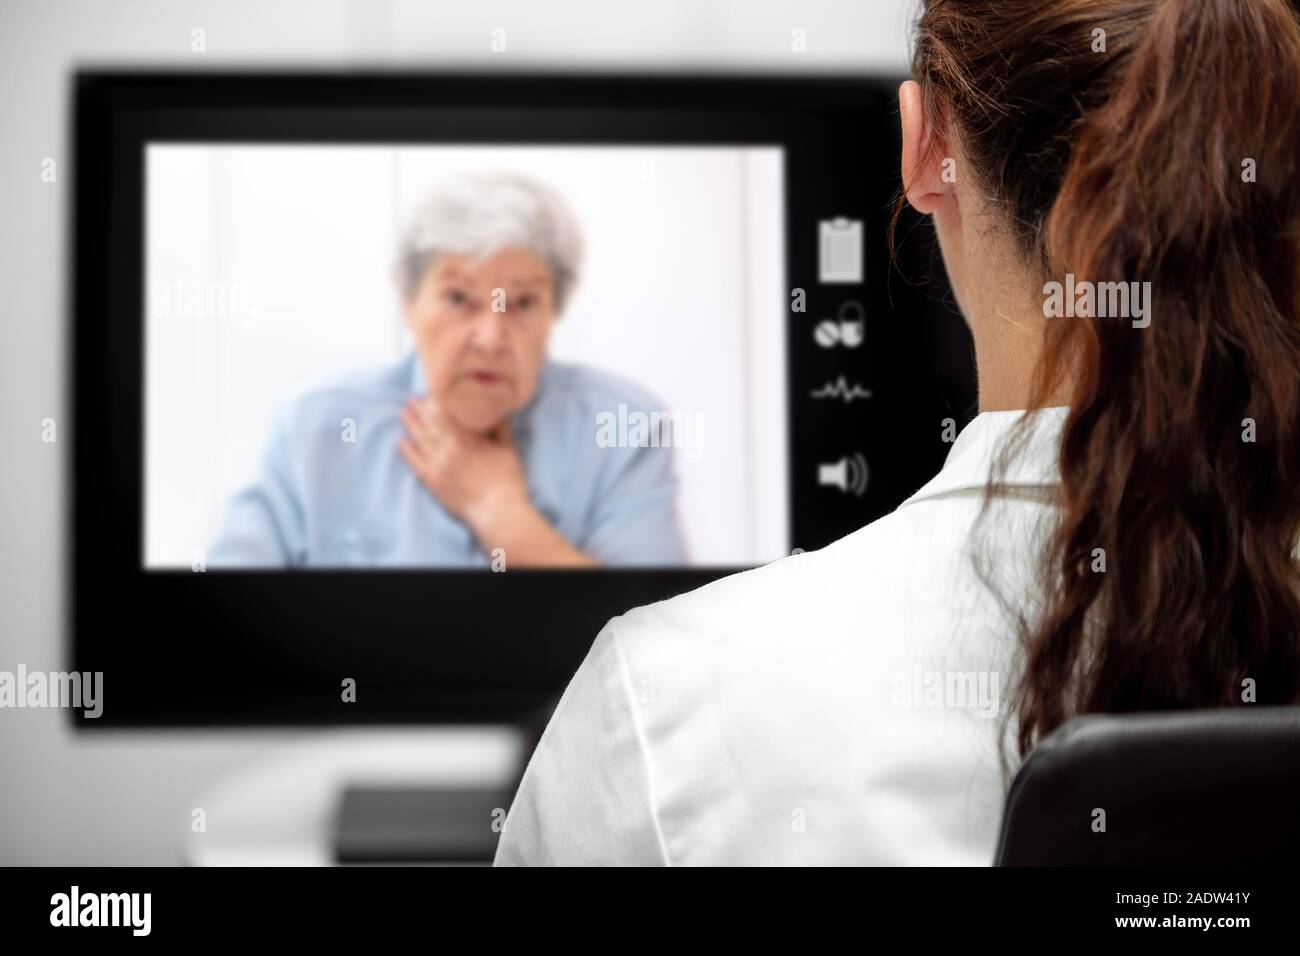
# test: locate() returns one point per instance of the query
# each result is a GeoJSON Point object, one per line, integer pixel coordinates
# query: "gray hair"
{"type": "Point", "coordinates": [474, 214]}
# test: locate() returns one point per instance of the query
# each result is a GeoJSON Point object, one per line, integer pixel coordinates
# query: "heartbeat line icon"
{"type": "Point", "coordinates": [842, 389]}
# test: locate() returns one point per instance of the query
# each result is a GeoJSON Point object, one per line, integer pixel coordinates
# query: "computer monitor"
{"type": "Point", "coordinates": [390, 389]}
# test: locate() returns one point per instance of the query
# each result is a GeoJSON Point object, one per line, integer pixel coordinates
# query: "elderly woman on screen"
{"type": "Point", "coordinates": [476, 448]}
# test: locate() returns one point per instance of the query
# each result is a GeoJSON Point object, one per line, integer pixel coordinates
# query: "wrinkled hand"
{"type": "Point", "coordinates": [478, 478]}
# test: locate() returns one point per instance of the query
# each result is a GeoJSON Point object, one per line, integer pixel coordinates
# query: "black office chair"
{"type": "Point", "coordinates": [1202, 787]}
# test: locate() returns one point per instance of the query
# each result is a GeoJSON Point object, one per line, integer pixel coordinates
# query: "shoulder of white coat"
{"type": "Point", "coordinates": [810, 596]}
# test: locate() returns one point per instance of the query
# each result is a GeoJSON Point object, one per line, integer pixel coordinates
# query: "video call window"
{"type": "Point", "coordinates": [370, 356]}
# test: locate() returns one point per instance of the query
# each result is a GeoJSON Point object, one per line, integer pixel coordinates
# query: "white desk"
{"type": "Point", "coordinates": [281, 811]}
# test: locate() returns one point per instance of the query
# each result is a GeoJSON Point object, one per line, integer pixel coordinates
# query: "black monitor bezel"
{"type": "Point", "coordinates": [271, 648]}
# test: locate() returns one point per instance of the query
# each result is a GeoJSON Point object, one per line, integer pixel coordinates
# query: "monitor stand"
{"type": "Point", "coordinates": [364, 796]}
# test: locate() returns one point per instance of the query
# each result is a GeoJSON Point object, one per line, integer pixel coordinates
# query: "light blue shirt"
{"type": "Point", "coordinates": [321, 500]}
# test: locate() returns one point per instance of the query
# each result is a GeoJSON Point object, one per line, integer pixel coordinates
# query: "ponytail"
{"type": "Point", "coordinates": [1169, 164]}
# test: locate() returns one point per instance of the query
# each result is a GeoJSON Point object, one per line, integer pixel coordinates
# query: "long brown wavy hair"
{"type": "Point", "coordinates": [1162, 149]}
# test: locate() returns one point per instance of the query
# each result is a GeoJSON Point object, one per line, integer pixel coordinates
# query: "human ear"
{"type": "Point", "coordinates": [923, 160]}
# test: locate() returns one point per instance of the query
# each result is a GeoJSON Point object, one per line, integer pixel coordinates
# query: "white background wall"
{"type": "Point", "coordinates": [125, 797]}
{"type": "Point", "coordinates": [680, 293]}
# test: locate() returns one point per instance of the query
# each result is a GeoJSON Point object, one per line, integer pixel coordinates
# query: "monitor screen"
{"type": "Point", "coordinates": [596, 329]}
{"type": "Point", "coordinates": [390, 390]}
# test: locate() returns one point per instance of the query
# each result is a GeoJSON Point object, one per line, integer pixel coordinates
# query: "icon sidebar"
{"type": "Point", "coordinates": [837, 395]}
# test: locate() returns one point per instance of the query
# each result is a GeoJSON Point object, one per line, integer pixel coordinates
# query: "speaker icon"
{"type": "Point", "coordinates": [849, 474]}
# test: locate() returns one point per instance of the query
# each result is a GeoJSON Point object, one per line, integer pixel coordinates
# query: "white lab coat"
{"type": "Point", "coordinates": [842, 706]}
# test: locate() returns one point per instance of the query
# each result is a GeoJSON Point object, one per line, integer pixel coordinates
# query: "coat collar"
{"type": "Point", "coordinates": [974, 453]}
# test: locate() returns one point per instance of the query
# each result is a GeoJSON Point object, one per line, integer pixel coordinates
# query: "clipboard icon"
{"type": "Point", "coordinates": [840, 250]}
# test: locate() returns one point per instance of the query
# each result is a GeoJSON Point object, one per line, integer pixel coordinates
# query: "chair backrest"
{"type": "Point", "coordinates": [1200, 787]}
